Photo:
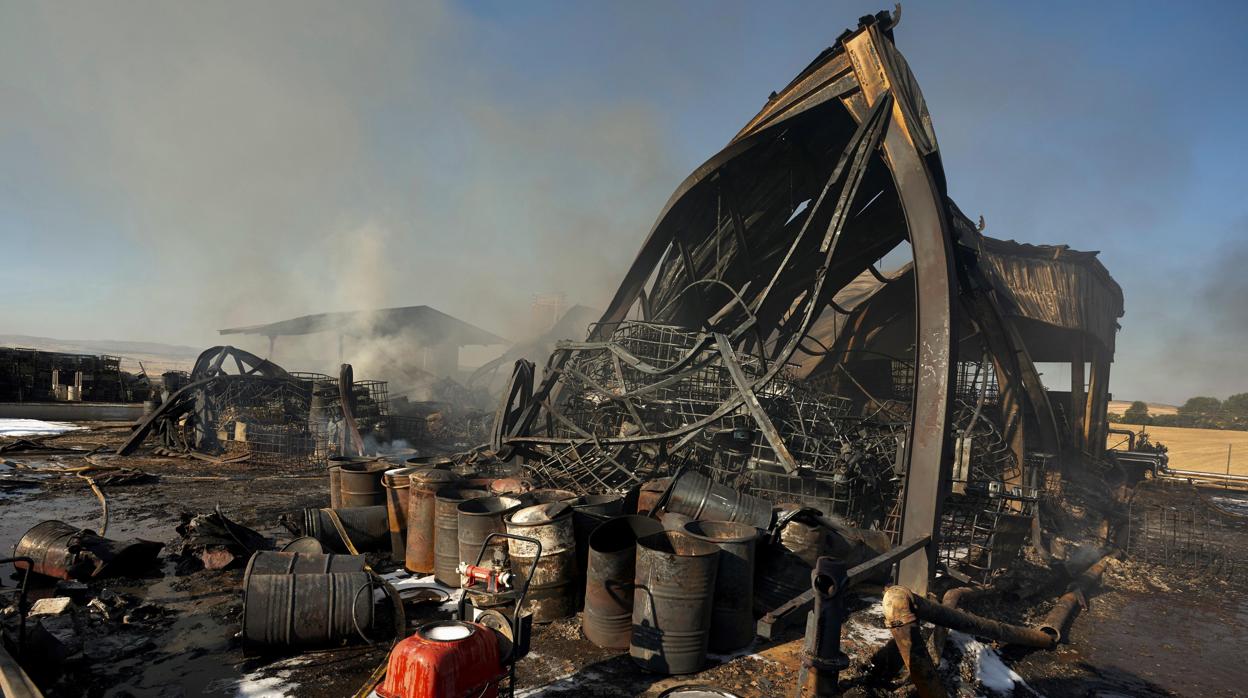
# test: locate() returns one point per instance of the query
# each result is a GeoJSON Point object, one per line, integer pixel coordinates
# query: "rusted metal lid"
{"type": "Point", "coordinates": [431, 476]}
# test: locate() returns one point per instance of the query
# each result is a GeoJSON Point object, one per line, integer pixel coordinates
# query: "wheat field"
{"type": "Point", "coordinates": [1196, 449]}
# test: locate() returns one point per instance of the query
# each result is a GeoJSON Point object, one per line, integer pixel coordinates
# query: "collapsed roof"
{"type": "Point", "coordinates": [421, 321]}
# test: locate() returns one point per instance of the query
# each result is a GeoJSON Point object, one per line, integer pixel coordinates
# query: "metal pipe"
{"type": "Point", "coordinates": [902, 606]}
{"type": "Point", "coordinates": [1075, 598]}
{"type": "Point", "coordinates": [822, 659]}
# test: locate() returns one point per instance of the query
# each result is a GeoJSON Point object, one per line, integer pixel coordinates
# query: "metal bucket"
{"type": "Point", "coordinates": [361, 484]}
{"type": "Point", "coordinates": [672, 602]}
{"type": "Point", "coordinates": [308, 610]}
{"type": "Point", "coordinates": [784, 568]}
{"type": "Point", "coordinates": [396, 483]}
{"type": "Point", "coordinates": [732, 612]}
{"type": "Point", "coordinates": [552, 583]}
{"type": "Point", "coordinates": [269, 562]}
{"type": "Point", "coordinates": [695, 495]}
{"type": "Point", "coordinates": [608, 617]}
{"type": "Point", "coordinates": [446, 532]}
{"type": "Point", "coordinates": [424, 484]}
{"type": "Point", "coordinates": [477, 519]}
{"type": "Point", "coordinates": [366, 526]}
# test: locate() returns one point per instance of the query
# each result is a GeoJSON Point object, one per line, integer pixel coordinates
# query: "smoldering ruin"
{"type": "Point", "coordinates": [778, 463]}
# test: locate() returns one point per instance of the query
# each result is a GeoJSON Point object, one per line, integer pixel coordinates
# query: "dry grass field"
{"type": "Point", "coordinates": [1198, 449]}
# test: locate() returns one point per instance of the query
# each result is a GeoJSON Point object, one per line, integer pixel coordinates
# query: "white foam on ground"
{"type": "Point", "coordinates": [34, 427]}
{"type": "Point", "coordinates": [254, 685]}
{"type": "Point", "coordinates": [990, 671]}
{"type": "Point", "coordinates": [867, 625]}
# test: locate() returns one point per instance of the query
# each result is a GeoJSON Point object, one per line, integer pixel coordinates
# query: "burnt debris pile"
{"type": "Point", "coordinates": [817, 376]}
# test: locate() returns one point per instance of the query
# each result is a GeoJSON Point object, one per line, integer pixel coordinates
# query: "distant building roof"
{"type": "Point", "coordinates": [431, 325]}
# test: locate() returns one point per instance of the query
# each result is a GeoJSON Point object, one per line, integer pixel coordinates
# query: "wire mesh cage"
{"type": "Point", "coordinates": [1175, 524]}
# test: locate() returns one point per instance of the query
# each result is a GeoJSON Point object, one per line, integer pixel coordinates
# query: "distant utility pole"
{"type": "Point", "coordinates": [1227, 483]}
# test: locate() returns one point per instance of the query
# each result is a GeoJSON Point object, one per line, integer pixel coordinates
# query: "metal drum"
{"type": "Point", "coordinates": [672, 602]}
{"type": "Point", "coordinates": [361, 484]}
{"type": "Point", "coordinates": [695, 495]}
{"type": "Point", "coordinates": [438, 462]}
{"type": "Point", "coordinates": [510, 486]}
{"type": "Point", "coordinates": [365, 526]}
{"type": "Point", "coordinates": [446, 532]}
{"type": "Point", "coordinates": [784, 569]}
{"type": "Point", "coordinates": [269, 562]}
{"type": "Point", "coordinates": [732, 612]}
{"type": "Point", "coordinates": [546, 496]}
{"type": "Point", "coordinates": [608, 617]}
{"type": "Point", "coordinates": [60, 550]}
{"type": "Point", "coordinates": [587, 513]}
{"type": "Point", "coordinates": [422, 493]}
{"type": "Point", "coordinates": [396, 484]}
{"type": "Point", "coordinates": [552, 583]}
{"type": "Point", "coordinates": [307, 610]}
{"type": "Point", "coordinates": [477, 519]}
{"type": "Point", "coordinates": [335, 477]}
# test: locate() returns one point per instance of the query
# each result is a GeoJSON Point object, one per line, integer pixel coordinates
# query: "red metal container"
{"type": "Point", "coordinates": [444, 659]}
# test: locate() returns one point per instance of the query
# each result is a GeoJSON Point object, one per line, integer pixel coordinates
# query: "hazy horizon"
{"type": "Point", "coordinates": [168, 170]}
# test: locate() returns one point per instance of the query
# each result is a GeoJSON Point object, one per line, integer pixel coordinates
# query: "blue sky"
{"type": "Point", "coordinates": [169, 169]}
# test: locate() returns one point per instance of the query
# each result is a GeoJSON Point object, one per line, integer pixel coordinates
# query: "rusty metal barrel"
{"type": "Point", "coordinates": [396, 484]}
{"type": "Point", "coordinates": [546, 496]}
{"type": "Point", "coordinates": [510, 486]}
{"type": "Point", "coordinates": [439, 462]}
{"type": "Point", "coordinates": [672, 601]}
{"type": "Point", "coordinates": [696, 496]}
{"type": "Point", "coordinates": [608, 617]}
{"type": "Point", "coordinates": [552, 581]}
{"type": "Point", "coordinates": [732, 609]}
{"type": "Point", "coordinates": [479, 518]}
{"type": "Point", "coordinates": [446, 531]}
{"type": "Point", "coordinates": [271, 562]}
{"type": "Point", "coordinates": [308, 610]}
{"type": "Point", "coordinates": [784, 568]}
{"type": "Point", "coordinates": [48, 544]}
{"type": "Point", "coordinates": [335, 477]}
{"type": "Point", "coordinates": [424, 484]}
{"type": "Point", "coordinates": [361, 484]}
{"type": "Point", "coordinates": [365, 526]}
{"type": "Point", "coordinates": [60, 550]}
{"type": "Point", "coordinates": [588, 513]}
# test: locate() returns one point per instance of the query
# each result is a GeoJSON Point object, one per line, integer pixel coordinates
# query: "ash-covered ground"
{"type": "Point", "coordinates": [1146, 632]}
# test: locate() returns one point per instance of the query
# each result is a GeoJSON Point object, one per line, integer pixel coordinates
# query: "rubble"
{"type": "Point", "coordinates": [759, 467]}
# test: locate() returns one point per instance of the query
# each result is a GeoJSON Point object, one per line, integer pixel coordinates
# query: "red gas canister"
{"type": "Point", "coordinates": [445, 659]}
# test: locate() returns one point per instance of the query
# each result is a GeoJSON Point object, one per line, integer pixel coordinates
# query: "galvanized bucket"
{"type": "Point", "coordinates": [479, 518]}
{"type": "Point", "coordinates": [608, 617]}
{"type": "Point", "coordinates": [446, 532]}
{"type": "Point", "coordinates": [696, 496]}
{"type": "Point", "coordinates": [672, 602]}
{"type": "Point", "coordinates": [283, 611]}
{"type": "Point", "coordinates": [553, 582]}
{"type": "Point", "coordinates": [732, 613]}
{"type": "Point", "coordinates": [422, 492]}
